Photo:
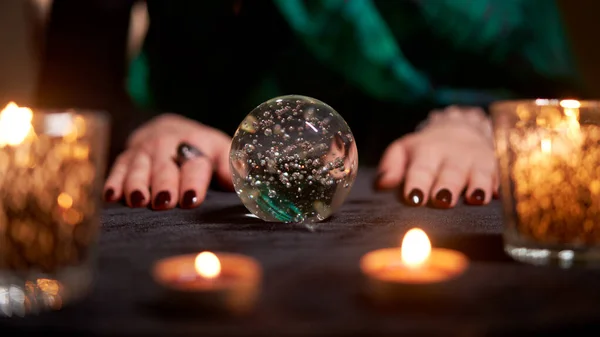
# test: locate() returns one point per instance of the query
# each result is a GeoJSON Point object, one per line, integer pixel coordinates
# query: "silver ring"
{"type": "Point", "coordinates": [185, 152]}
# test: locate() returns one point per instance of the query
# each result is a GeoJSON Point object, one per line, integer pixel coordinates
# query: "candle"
{"type": "Point", "coordinates": [51, 168]}
{"type": "Point", "coordinates": [548, 158]}
{"type": "Point", "coordinates": [412, 269]}
{"type": "Point", "coordinates": [221, 281]}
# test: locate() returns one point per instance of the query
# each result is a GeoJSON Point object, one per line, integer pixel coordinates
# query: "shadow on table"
{"type": "Point", "coordinates": [478, 247]}
{"type": "Point", "coordinates": [363, 202]}
{"type": "Point", "coordinates": [169, 310]}
{"type": "Point", "coordinates": [238, 218]}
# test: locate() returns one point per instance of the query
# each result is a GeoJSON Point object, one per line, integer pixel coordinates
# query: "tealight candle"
{"type": "Point", "coordinates": [221, 281]}
{"type": "Point", "coordinates": [412, 269]}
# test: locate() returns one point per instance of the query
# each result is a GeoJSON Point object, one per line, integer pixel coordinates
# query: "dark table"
{"type": "Point", "coordinates": [312, 284]}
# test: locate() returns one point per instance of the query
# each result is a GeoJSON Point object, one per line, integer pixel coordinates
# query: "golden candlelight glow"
{"type": "Point", "coordinates": [15, 124]}
{"type": "Point", "coordinates": [416, 248]}
{"type": "Point", "coordinates": [72, 217]}
{"type": "Point", "coordinates": [64, 200]}
{"type": "Point", "coordinates": [81, 152]}
{"type": "Point", "coordinates": [570, 104]}
{"type": "Point", "coordinates": [50, 287]}
{"type": "Point", "coordinates": [49, 183]}
{"type": "Point", "coordinates": [75, 128]}
{"type": "Point", "coordinates": [551, 160]}
{"type": "Point", "coordinates": [546, 145]}
{"type": "Point", "coordinates": [208, 265]}
{"type": "Point", "coordinates": [571, 112]}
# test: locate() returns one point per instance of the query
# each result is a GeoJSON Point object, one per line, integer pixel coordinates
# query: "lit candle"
{"type": "Point", "coordinates": [50, 178]}
{"type": "Point", "coordinates": [221, 281]}
{"type": "Point", "coordinates": [392, 273]}
{"type": "Point", "coordinates": [15, 125]}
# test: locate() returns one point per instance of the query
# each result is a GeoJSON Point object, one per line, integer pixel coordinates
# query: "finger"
{"type": "Point", "coordinates": [393, 164]}
{"type": "Point", "coordinates": [165, 174]}
{"type": "Point", "coordinates": [451, 180]}
{"type": "Point", "coordinates": [113, 187]}
{"type": "Point", "coordinates": [481, 184]}
{"type": "Point", "coordinates": [137, 181]}
{"type": "Point", "coordinates": [216, 148]}
{"type": "Point", "coordinates": [420, 174]}
{"type": "Point", "coordinates": [223, 170]}
{"type": "Point", "coordinates": [194, 181]}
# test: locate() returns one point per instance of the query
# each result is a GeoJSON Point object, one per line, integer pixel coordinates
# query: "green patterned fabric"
{"type": "Point", "coordinates": [353, 38]}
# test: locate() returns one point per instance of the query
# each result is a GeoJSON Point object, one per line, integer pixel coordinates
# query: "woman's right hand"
{"type": "Point", "coordinates": [452, 153]}
{"type": "Point", "coordinates": [146, 173]}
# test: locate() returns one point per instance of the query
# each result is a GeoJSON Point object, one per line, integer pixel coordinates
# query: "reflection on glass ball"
{"type": "Point", "coordinates": [293, 160]}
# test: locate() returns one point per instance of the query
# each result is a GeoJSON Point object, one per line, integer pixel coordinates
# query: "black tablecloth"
{"type": "Point", "coordinates": [312, 283]}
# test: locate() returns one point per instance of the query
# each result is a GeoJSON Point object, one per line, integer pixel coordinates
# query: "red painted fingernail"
{"type": "Point", "coordinates": [109, 195]}
{"type": "Point", "coordinates": [443, 199]}
{"type": "Point", "coordinates": [189, 199]}
{"type": "Point", "coordinates": [137, 199]}
{"type": "Point", "coordinates": [477, 197]}
{"type": "Point", "coordinates": [162, 200]}
{"type": "Point", "coordinates": [415, 197]}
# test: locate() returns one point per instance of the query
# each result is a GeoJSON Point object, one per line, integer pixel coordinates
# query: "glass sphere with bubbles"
{"type": "Point", "coordinates": [293, 160]}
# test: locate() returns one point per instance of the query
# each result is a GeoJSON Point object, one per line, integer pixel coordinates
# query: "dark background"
{"type": "Point", "coordinates": [32, 75]}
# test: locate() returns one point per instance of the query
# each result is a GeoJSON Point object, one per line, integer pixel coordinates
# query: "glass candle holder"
{"type": "Point", "coordinates": [51, 170]}
{"type": "Point", "coordinates": [549, 159]}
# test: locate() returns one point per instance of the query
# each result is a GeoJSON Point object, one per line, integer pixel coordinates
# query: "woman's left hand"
{"type": "Point", "coordinates": [452, 152]}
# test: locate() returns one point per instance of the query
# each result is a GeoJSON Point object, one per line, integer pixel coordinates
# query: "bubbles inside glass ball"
{"type": "Point", "coordinates": [293, 160]}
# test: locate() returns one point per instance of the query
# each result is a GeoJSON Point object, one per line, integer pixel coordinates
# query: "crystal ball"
{"type": "Point", "coordinates": [293, 160]}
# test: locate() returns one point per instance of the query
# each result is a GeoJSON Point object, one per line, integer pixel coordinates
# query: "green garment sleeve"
{"type": "Point", "coordinates": [479, 26]}
{"type": "Point", "coordinates": [138, 84]}
{"type": "Point", "coordinates": [531, 29]}
{"type": "Point", "coordinates": [352, 38]}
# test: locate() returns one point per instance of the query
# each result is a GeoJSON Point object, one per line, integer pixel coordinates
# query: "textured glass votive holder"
{"type": "Point", "coordinates": [549, 158]}
{"type": "Point", "coordinates": [51, 170]}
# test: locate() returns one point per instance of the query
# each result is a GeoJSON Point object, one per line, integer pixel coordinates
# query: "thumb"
{"type": "Point", "coordinates": [216, 147]}
{"type": "Point", "coordinates": [222, 168]}
{"type": "Point", "coordinates": [393, 164]}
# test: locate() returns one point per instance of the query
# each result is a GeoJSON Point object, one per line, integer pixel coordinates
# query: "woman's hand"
{"type": "Point", "coordinates": [146, 172]}
{"type": "Point", "coordinates": [453, 151]}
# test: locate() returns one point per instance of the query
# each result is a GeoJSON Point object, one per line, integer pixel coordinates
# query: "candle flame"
{"type": "Point", "coordinates": [208, 265]}
{"type": "Point", "coordinates": [15, 124]}
{"type": "Point", "coordinates": [416, 248]}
